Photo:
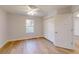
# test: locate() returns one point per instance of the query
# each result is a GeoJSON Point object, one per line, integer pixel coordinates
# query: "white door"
{"type": "Point", "coordinates": [49, 29]}
{"type": "Point", "coordinates": [63, 31]}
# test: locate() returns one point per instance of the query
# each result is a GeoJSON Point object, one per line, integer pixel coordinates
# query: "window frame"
{"type": "Point", "coordinates": [32, 26]}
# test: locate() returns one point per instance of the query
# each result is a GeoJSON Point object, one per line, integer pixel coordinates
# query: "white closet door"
{"type": "Point", "coordinates": [49, 29]}
{"type": "Point", "coordinates": [63, 31]}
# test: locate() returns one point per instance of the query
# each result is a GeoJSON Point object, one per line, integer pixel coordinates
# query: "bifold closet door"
{"type": "Point", "coordinates": [64, 31]}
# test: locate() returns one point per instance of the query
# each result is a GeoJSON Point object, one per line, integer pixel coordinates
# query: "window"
{"type": "Point", "coordinates": [29, 26]}
{"type": "Point", "coordinates": [76, 26]}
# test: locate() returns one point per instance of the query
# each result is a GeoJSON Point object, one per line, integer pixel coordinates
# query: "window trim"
{"type": "Point", "coordinates": [31, 32]}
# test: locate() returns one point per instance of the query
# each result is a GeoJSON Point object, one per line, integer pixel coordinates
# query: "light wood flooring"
{"type": "Point", "coordinates": [34, 46]}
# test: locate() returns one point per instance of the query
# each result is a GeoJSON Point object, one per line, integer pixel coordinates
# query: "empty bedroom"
{"type": "Point", "coordinates": [39, 29]}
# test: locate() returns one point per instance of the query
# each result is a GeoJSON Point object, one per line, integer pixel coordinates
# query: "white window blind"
{"type": "Point", "coordinates": [29, 26]}
{"type": "Point", "coordinates": [76, 26]}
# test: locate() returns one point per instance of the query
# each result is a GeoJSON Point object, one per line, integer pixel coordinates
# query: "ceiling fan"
{"type": "Point", "coordinates": [32, 10]}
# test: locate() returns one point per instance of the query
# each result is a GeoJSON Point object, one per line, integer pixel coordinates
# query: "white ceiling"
{"type": "Point", "coordinates": [51, 7]}
{"type": "Point", "coordinates": [22, 9]}
{"type": "Point", "coordinates": [14, 8]}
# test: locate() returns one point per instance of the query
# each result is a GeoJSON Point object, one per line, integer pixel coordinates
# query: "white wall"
{"type": "Point", "coordinates": [17, 24]}
{"type": "Point", "coordinates": [3, 28]}
{"type": "Point", "coordinates": [58, 28]}
{"type": "Point", "coordinates": [38, 26]}
{"type": "Point", "coordinates": [49, 29]}
{"type": "Point", "coordinates": [75, 10]}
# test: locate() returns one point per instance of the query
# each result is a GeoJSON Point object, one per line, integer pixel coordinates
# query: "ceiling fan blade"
{"type": "Point", "coordinates": [32, 10]}
{"type": "Point", "coordinates": [35, 9]}
{"type": "Point", "coordinates": [29, 8]}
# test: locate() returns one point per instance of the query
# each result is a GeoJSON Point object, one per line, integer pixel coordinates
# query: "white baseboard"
{"type": "Point", "coordinates": [3, 44]}
{"type": "Point", "coordinates": [24, 38]}
{"type": "Point", "coordinates": [21, 38]}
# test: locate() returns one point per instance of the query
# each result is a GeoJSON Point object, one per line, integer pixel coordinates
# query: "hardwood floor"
{"type": "Point", "coordinates": [33, 46]}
